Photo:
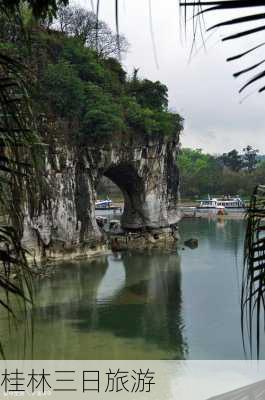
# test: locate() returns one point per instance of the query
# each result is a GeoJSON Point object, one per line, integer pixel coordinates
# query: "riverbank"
{"type": "Point", "coordinates": [190, 213]}
{"type": "Point", "coordinates": [59, 252]}
{"type": "Point", "coordinates": [211, 214]}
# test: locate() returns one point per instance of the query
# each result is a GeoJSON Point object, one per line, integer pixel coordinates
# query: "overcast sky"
{"type": "Point", "coordinates": [203, 90]}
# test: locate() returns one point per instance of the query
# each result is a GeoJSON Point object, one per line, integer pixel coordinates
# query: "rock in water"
{"type": "Point", "coordinates": [191, 243]}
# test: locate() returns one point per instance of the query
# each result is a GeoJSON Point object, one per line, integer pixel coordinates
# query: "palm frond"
{"type": "Point", "coordinates": [18, 139]}
{"type": "Point", "coordinates": [199, 9]}
{"type": "Point", "coordinates": [19, 156]}
{"type": "Point", "coordinates": [253, 286]}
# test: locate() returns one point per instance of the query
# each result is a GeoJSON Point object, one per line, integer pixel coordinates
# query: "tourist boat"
{"type": "Point", "coordinates": [103, 204]}
{"type": "Point", "coordinates": [225, 203]}
{"type": "Point", "coordinates": [106, 206]}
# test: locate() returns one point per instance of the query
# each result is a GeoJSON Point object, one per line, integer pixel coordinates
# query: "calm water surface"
{"type": "Point", "coordinates": [143, 305]}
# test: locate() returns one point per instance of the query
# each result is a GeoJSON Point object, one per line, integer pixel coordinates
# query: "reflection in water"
{"type": "Point", "coordinates": [113, 307]}
{"type": "Point", "coordinates": [113, 280]}
{"type": "Point", "coordinates": [148, 305]}
{"type": "Point", "coordinates": [140, 306]}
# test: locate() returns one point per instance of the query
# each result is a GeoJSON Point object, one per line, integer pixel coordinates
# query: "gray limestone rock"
{"type": "Point", "coordinates": [145, 171]}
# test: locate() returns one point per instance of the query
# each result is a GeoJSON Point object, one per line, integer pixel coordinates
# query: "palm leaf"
{"type": "Point", "coordinates": [17, 153]}
{"type": "Point", "coordinates": [253, 287]}
{"type": "Point", "coordinates": [19, 172]}
{"type": "Point", "coordinates": [199, 9]}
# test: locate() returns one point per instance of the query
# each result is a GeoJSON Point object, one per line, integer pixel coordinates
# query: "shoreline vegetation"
{"type": "Point", "coordinates": [232, 173]}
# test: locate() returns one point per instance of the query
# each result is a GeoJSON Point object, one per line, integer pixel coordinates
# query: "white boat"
{"type": "Point", "coordinates": [106, 207]}
{"type": "Point", "coordinates": [103, 204]}
{"type": "Point", "coordinates": [225, 203]}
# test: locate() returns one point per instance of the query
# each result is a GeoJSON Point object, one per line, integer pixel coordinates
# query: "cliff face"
{"type": "Point", "coordinates": [146, 173]}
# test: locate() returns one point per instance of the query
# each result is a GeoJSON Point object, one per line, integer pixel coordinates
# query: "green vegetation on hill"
{"type": "Point", "coordinates": [75, 84]}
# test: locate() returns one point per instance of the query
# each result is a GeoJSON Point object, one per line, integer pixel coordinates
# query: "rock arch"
{"type": "Point", "coordinates": [148, 176]}
{"type": "Point", "coordinates": [145, 171]}
{"type": "Point", "coordinates": [126, 177]}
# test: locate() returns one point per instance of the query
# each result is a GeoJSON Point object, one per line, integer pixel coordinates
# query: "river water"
{"type": "Point", "coordinates": [142, 304]}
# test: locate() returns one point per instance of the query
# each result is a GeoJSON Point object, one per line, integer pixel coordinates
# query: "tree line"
{"type": "Point", "coordinates": [231, 173]}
